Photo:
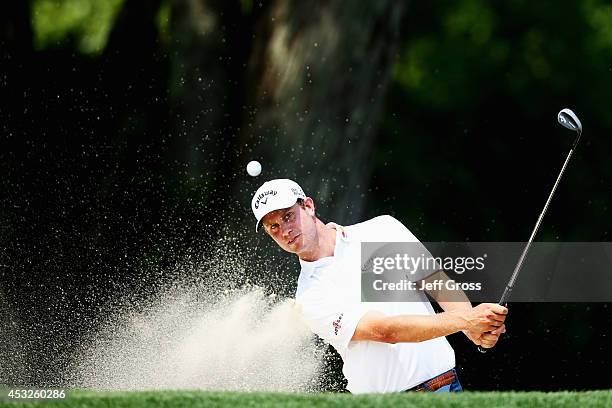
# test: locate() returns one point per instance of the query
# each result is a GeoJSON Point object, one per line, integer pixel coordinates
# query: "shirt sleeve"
{"type": "Point", "coordinates": [333, 322]}
{"type": "Point", "coordinates": [396, 231]}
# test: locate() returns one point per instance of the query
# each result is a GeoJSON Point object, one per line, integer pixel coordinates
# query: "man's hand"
{"type": "Point", "coordinates": [488, 340]}
{"type": "Point", "coordinates": [486, 317]}
{"type": "Point", "coordinates": [473, 336]}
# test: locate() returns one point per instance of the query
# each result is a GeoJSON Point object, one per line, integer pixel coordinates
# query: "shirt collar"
{"type": "Point", "coordinates": [340, 232]}
{"type": "Point", "coordinates": [341, 237]}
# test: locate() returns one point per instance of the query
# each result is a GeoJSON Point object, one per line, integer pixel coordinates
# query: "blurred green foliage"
{"type": "Point", "coordinates": [471, 116]}
{"type": "Point", "coordinates": [452, 48]}
{"type": "Point", "coordinates": [86, 22]}
{"type": "Point", "coordinates": [246, 6]}
{"type": "Point", "coordinates": [163, 21]}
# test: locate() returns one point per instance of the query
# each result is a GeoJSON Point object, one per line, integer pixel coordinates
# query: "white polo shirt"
{"type": "Point", "coordinates": [329, 293]}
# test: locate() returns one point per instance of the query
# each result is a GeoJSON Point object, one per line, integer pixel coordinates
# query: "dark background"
{"type": "Point", "coordinates": [126, 127]}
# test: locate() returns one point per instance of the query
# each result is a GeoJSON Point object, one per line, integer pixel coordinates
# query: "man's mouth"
{"type": "Point", "coordinates": [291, 241]}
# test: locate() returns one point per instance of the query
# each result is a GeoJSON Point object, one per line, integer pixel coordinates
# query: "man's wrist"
{"type": "Point", "coordinates": [457, 321]}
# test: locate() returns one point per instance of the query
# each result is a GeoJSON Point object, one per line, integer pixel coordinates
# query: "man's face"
{"type": "Point", "coordinates": [293, 228]}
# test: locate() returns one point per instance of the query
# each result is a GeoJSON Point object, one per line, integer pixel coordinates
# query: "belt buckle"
{"type": "Point", "coordinates": [419, 388]}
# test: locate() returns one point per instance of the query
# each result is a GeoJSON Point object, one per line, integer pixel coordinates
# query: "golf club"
{"type": "Point", "coordinates": [569, 120]}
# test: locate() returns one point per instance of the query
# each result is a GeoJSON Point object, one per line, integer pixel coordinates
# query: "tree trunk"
{"type": "Point", "coordinates": [320, 77]}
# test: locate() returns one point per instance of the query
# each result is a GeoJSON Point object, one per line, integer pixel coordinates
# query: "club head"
{"type": "Point", "coordinates": [569, 120]}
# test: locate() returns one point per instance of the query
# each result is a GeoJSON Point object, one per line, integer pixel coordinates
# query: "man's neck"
{"type": "Point", "coordinates": [325, 245]}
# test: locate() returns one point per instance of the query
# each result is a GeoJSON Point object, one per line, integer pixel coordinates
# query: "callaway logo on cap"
{"type": "Point", "coordinates": [275, 195]}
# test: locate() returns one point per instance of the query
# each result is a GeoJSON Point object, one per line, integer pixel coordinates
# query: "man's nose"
{"type": "Point", "coordinates": [286, 229]}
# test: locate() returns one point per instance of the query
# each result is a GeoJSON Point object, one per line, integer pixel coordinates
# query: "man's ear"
{"type": "Point", "coordinates": [309, 206]}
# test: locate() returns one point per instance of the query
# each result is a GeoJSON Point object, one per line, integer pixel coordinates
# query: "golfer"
{"type": "Point", "coordinates": [385, 346]}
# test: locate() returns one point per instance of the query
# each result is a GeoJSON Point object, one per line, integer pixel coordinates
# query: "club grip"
{"type": "Point", "coordinates": [504, 304]}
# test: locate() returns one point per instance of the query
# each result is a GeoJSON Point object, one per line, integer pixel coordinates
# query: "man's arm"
{"type": "Point", "coordinates": [375, 326]}
{"type": "Point", "coordinates": [461, 306]}
{"type": "Point", "coordinates": [448, 301]}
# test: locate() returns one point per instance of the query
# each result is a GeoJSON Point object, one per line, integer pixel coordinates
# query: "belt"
{"type": "Point", "coordinates": [436, 383]}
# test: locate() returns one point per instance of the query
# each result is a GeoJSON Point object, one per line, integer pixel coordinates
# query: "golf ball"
{"type": "Point", "coordinates": [254, 168]}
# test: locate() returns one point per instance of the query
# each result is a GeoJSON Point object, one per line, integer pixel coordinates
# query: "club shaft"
{"type": "Point", "coordinates": [517, 269]}
{"type": "Point", "coordinates": [506, 295]}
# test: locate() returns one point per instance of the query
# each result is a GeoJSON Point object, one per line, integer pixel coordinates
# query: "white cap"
{"type": "Point", "coordinates": [275, 195]}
